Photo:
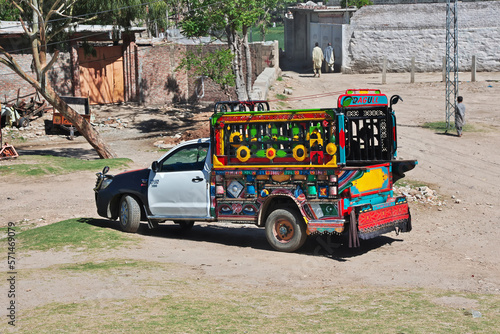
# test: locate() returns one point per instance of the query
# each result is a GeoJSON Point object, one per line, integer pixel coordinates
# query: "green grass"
{"type": "Point", "coordinates": [273, 34]}
{"type": "Point", "coordinates": [109, 265]}
{"type": "Point", "coordinates": [172, 296]}
{"type": "Point", "coordinates": [283, 310]}
{"type": "Point", "coordinates": [38, 165]}
{"type": "Point", "coordinates": [72, 233]}
{"type": "Point", "coordinates": [281, 97]}
{"type": "Point", "coordinates": [441, 127]}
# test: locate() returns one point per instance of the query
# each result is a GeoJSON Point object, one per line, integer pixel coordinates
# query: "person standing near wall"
{"type": "Point", "coordinates": [318, 58]}
{"type": "Point", "coordinates": [459, 115]}
{"type": "Point", "coordinates": [329, 59]}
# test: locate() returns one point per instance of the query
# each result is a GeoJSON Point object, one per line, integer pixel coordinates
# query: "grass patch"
{"type": "Point", "coordinates": [37, 165]}
{"type": "Point", "coordinates": [273, 34]}
{"type": "Point", "coordinates": [441, 127]}
{"type": "Point", "coordinates": [281, 97]}
{"type": "Point", "coordinates": [103, 265]}
{"type": "Point", "coordinates": [110, 264]}
{"type": "Point", "coordinates": [219, 310]}
{"type": "Point", "coordinates": [73, 233]}
{"type": "Point", "coordinates": [280, 78]}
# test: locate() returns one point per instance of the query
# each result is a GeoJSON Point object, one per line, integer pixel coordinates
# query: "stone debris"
{"type": "Point", "coordinates": [424, 195]}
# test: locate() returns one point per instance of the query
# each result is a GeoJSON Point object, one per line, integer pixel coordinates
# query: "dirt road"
{"type": "Point", "coordinates": [452, 247]}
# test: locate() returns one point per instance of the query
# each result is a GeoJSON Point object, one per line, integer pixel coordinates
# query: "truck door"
{"type": "Point", "coordinates": [180, 186]}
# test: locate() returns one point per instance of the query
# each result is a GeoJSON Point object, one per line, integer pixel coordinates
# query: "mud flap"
{"type": "Point", "coordinates": [374, 222]}
{"type": "Point", "coordinates": [353, 231]}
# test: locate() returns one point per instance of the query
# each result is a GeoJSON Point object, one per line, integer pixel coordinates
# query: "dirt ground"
{"type": "Point", "coordinates": [453, 246]}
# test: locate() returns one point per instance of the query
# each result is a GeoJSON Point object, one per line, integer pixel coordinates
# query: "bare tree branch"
{"type": "Point", "coordinates": [17, 6]}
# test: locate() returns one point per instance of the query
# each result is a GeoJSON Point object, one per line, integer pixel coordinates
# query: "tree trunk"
{"type": "Point", "coordinates": [248, 61]}
{"type": "Point", "coordinates": [80, 123]}
{"type": "Point", "coordinates": [234, 45]}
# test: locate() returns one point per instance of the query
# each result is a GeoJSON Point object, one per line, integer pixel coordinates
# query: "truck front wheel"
{"type": "Point", "coordinates": [285, 230]}
{"type": "Point", "coordinates": [130, 214]}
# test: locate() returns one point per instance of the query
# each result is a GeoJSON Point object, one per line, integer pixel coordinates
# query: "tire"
{"type": "Point", "coordinates": [23, 122]}
{"type": "Point", "coordinates": [285, 230]}
{"type": "Point", "coordinates": [130, 214]}
{"type": "Point", "coordinates": [185, 225]}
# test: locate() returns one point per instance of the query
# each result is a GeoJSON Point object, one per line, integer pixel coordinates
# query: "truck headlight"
{"type": "Point", "coordinates": [105, 183]}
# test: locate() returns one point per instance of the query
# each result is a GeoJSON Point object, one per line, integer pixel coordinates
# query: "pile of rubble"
{"type": "Point", "coordinates": [110, 122]}
{"type": "Point", "coordinates": [424, 195]}
{"type": "Point", "coordinates": [34, 130]}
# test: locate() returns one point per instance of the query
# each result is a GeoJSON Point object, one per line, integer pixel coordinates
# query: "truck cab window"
{"type": "Point", "coordinates": [186, 158]}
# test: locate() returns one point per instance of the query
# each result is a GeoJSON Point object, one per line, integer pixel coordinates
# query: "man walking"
{"type": "Point", "coordinates": [318, 57]}
{"type": "Point", "coordinates": [329, 58]}
{"type": "Point", "coordinates": [459, 115]}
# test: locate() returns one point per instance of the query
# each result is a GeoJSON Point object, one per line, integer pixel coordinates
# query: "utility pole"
{"type": "Point", "coordinates": [451, 59]}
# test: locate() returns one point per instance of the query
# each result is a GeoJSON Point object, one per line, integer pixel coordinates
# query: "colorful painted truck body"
{"type": "Point", "coordinates": [295, 172]}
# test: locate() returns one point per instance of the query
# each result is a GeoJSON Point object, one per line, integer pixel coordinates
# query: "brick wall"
{"type": "Point", "coordinates": [10, 82]}
{"type": "Point", "coordinates": [161, 84]}
{"type": "Point", "coordinates": [149, 74]}
{"type": "Point", "coordinates": [60, 77]}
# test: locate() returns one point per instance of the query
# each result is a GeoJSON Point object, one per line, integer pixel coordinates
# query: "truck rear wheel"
{"type": "Point", "coordinates": [285, 230]}
{"type": "Point", "coordinates": [130, 214]}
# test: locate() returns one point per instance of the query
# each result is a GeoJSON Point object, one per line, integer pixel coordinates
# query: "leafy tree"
{"type": "Point", "coordinates": [357, 3]}
{"type": "Point", "coordinates": [214, 65]}
{"type": "Point", "coordinates": [117, 12]}
{"type": "Point", "coordinates": [7, 11]}
{"type": "Point", "coordinates": [230, 21]}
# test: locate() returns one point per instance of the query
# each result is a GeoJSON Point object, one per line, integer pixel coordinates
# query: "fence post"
{"type": "Point", "coordinates": [473, 70]}
{"type": "Point", "coordinates": [384, 71]}
{"type": "Point", "coordinates": [412, 77]}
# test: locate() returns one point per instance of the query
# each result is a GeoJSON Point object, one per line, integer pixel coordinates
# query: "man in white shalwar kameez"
{"type": "Point", "coordinates": [318, 57]}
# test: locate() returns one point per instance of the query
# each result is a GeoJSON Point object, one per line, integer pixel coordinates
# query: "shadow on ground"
{"type": "Point", "coordinates": [67, 152]}
{"type": "Point", "coordinates": [333, 247]}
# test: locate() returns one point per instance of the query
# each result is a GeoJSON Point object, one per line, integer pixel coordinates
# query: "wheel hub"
{"type": "Point", "coordinates": [284, 230]}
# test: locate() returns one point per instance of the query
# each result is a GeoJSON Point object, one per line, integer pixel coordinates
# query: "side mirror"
{"type": "Point", "coordinates": [395, 99]}
{"type": "Point", "coordinates": [155, 166]}
{"type": "Point", "coordinates": [105, 170]}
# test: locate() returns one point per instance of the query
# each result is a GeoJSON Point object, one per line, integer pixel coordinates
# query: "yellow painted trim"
{"type": "Point", "coordinates": [272, 166]}
{"type": "Point", "coordinates": [216, 162]}
{"type": "Point", "coordinates": [221, 139]}
{"type": "Point", "coordinates": [331, 148]}
{"type": "Point", "coordinates": [238, 153]}
{"type": "Point", "coordinates": [296, 156]}
{"type": "Point", "coordinates": [333, 162]}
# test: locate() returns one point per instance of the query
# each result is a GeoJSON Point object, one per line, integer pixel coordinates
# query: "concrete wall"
{"type": "Point", "coordinates": [311, 24]}
{"type": "Point", "coordinates": [400, 32]}
{"type": "Point", "coordinates": [324, 34]}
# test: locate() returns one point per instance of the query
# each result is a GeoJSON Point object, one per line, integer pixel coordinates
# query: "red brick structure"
{"type": "Point", "coordinates": [149, 73]}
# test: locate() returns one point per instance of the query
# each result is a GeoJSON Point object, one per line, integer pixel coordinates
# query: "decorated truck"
{"type": "Point", "coordinates": [294, 172]}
